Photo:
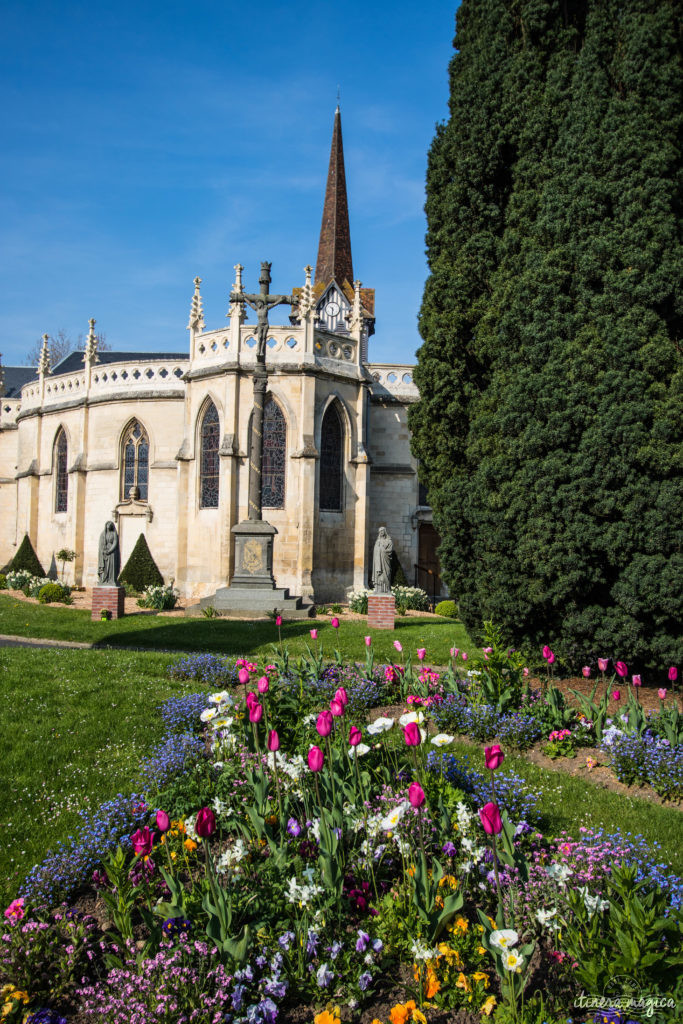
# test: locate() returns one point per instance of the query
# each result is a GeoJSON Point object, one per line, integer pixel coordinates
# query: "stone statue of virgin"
{"type": "Point", "coordinates": [108, 556]}
{"type": "Point", "coordinates": [381, 562]}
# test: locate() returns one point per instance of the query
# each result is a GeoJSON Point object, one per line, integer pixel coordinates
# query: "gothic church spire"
{"type": "Point", "coordinates": [334, 249]}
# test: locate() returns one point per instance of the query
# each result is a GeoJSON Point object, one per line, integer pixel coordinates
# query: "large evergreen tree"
{"type": "Point", "coordinates": [549, 423]}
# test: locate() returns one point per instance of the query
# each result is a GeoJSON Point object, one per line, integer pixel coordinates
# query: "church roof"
{"type": "Point", "coordinates": [334, 249]}
{"type": "Point", "coordinates": [15, 378]}
{"type": "Point", "coordinates": [74, 360]}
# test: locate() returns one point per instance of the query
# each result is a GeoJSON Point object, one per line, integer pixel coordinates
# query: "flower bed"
{"type": "Point", "coordinates": [287, 861]}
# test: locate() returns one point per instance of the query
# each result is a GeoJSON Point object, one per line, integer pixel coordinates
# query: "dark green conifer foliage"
{"type": "Point", "coordinates": [26, 558]}
{"type": "Point", "coordinates": [141, 570]}
{"type": "Point", "coordinates": [549, 426]}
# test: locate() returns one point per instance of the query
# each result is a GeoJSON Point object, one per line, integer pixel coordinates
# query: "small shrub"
{"type": "Point", "coordinates": [413, 598]}
{"type": "Point", "coordinates": [26, 558]}
{"type": "Point", "coordinates": [52, 592]}
{"type": "Point", "coordinates": [162, 598]}
{"type": "Point", "coordinates": [141, 571]}
{"type": "Point", "coordinates": [358, 602]}
{"type": "Point", "coordinates": [19, 580]}
{"type": "Point", "coordinates": [336, 609]}
{"type": "Point", "coordinates": [448, 609]}
{"type": "Point", "coordinates": [3, 581]}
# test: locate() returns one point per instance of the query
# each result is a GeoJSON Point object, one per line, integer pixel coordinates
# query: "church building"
{"type": "Point", "coordinates": [158, 441]}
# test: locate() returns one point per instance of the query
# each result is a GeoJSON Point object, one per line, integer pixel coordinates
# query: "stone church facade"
{"type": "Point", "coordinates": [158, 442]}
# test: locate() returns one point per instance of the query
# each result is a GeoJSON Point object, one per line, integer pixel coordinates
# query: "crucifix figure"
{"type": "Point", "coordinates": [261, 303]}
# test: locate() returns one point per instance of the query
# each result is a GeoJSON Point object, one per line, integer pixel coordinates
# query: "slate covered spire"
{"type": "Point", "coordinates": [334, 249]}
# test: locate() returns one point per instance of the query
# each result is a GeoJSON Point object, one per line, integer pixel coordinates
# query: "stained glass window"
{"type": "Point", "coordinates": [62, 479]}
{"type": "Point", "coordinates": [331, 461]}
{"type": "Point", "coordinates": [135, 473]}
{"type": "Point", "coordinates": [209, 461]}
{"type": "Point", "coordinates": [274, 454]}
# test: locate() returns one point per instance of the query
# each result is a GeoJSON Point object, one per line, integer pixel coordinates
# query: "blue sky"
{"type": "Point", "coordinates": [145, 143]}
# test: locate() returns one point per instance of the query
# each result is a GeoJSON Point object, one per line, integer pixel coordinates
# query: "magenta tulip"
{"type": "Point", "coordinates": [263, 685]}
{"type": "Point", "coordinates": [551, 658]}
{"type": "Point", "coordinates": [324, 723]}
{"type": "Point", "coordinates": [278, 620]}
{"type": "Point", "coordinates": [454, 652]}
{"type": "Point", "coordinates": [412, 735]}
{"type": "Point", "coordinates": [142, 842]}
{"type": "Point", "coordinates": [673, 674]}
{"type": "Point", "coordinates": [243, 676]}
{"type": "Point", "coordinates": [337, 708]}
{"type": "Point", "coordinates": [421, 652]}
{"type": "Point", "coordinates": [368, 641]}
{"type": "Point", "coordinates": [491, 819]}
{"type": "Point", "coordinates": [661, 693]}
{"type": "Point", "coordinates": [316, 759]}
{"type": "Point", "coordinates": [205, 825]}
{"type": "Point", "coordinates": [637, 681]}
{"type": "Point", "coordinates": [494, 757]}
{"type": "Point", "coordinates": [464, 655]}
{"type": "Point", "coordinates": [334, 623]}
{"type": "Point", "coordinates": [256, 712]}
{"type": "Point", "coordinates": [621, 668]}
{"type": "Point", "coordinates": [251, 698]}
{"type": "Point", "coordinates": [603, 663]}
{"type": "Point", "coordinates": [342, 696]}
{"type": "Point", "coordinates": [586, 671]}
{"type": "Point", "coordinates": [398, 645]}
{"type": "Point", "coordinates": [616, 694]}
{"type": "Point", "coordinates": [355, 736]}
{"type": "Point", "coordinates": [314, 634]}
{"type": "Point", "coordinates": [546, 651]}
{"type": "Point", "coordinates": [163, 821]}
{"type": "Point", "coordinates": [416, 795]}
{"type": "Point", "coordinates": [273, 740]}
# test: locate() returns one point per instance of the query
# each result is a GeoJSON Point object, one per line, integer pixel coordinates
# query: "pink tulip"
{"type": "Point", "coordinates": [337, 708]}
{"type": "Point", "coordinates": [621, 669]}
{"type": "Point", "coordinates": [314, 634]}
{"type": "Point", "coordinates": [616, 694]}
{"type": "Point", "coordinates": [355, 736]}
{"type": "Point", "coordinates": [491, 819]}
{"type": "Point", "coordinates": [324, 723]}
{"type": "Point", "coordinates": [316, 759]}
{"type": "Point", "coordinates": [673, 674]}
{"type": "Point", "coordinates": [454, 652]}
{"type": "Point", "coordinates": [251, 698]}
{"type": "Point", "coordinates": [603, 663]}
{"type": "Point", "coordinates": [421, 653]}
{"type": "Point", "coordinates": [263, 685]}
{"type": "Point", "coordinates": [551, 658]}
{"type": "Point", "coordinates": [368, 641]}
{"type": "Point", "coordinates": [243, 676]}
{"type": "Point", "coordinates": [273, 740]}
{"type": "Point", "coordinates": [637, 681]}
{"type": "Point", "coordinates": [398, 645]}
{"type": "Point", "coordinates": [278, 620]}
{"type": "Point", "coordinates": [142, 842]}
{"type": "Point", "coordinates": [525, 672]}
{"type": "Point", "coordinates": [334, 623]}
{"type": "Point", "coordinates": [416, 795]}
{"type": "Point", "coordinates": [412, 735]}
{"type": "Point", "coordinates": [464, 655]}
{"type": "Point", "coordinates": [586, 671]}
{"type": "Point", "coordinates": [487, 650]}
{"type": "Point", "coordinates": [661, 693]}
{"type": "Point", "coordinates": [256, 712]}
{"type": "Point", "coordinates": [163, 821]}
{"type": "Point", "coordinates": [546, 651]}
{"type": "Point", "coordinates": [341, 696]}
{"type": "Point", "coordinates": [494, 757]}
{"type": "Point", "coordinates": [205, 825]}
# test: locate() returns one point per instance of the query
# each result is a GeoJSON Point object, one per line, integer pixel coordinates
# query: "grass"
{"type": "Point", "coordinates": [230, 637]}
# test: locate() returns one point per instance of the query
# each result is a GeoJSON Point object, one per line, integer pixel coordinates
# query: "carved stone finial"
{"type": "Point", "coordinates": [238, 286]}
{"type": "Point", "coordinates": [306, 303]}
{"type": "Point", "coordinates": [355, 314]}
{"type": "Point", "coordinates": [44, 359]}
{"type": "Point", "coordinates": [91, 343]}
{"type": "Point", "coordinates": [196, 321]}
{"type": "Point", "coordinates": [236, 307]}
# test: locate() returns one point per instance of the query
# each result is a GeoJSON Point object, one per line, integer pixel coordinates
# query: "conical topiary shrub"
{"type": "Point", "coordinates": [141, 570]}
{"type": "Point", "coordinates": [26, 558]}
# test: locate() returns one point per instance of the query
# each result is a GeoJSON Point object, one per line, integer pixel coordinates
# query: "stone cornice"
{"type": "Point", "coordinates": [117, 396]}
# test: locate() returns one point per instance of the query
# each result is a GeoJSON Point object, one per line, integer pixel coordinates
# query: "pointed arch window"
{"type": "Point", "coordinates": [61, 475]}
{"type": "Point", "coordinates": [274, 455]}
{"type": "Point", "coordinates": [331, 461]}
{"type": "Point", "coordinates": [135, 475]}
{"type": "Point", "coordinates": [209, 460]}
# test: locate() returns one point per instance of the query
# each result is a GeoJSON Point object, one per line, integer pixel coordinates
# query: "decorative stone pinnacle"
{"type": "Point", "coordinates": [355, 315]}
{"type": "Point", "coordinates": [44, 360]}
{"type": "Point", "coordinates": [236, 307]}
{"type": "Point", "coordinates": [238, 286]}
{"type": "Point", "coordinates": [91, 343]}
{"type": "Point", "coordinates": [196, 321]}
{"type": "Point", "coordinates": [306, 295]}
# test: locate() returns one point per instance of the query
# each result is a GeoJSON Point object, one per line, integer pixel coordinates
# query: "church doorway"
{"type": "Point", "coordinates": [428, 570]}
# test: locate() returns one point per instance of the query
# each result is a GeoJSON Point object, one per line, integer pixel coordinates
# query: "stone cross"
{"type": "Point", "coordinates": [261, 303]}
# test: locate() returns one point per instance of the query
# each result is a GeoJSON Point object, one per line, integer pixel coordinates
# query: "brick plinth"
{"type": "Point", "coordinates": [109, 599]}
{"type": "Point", "coordinates": [381, 611]}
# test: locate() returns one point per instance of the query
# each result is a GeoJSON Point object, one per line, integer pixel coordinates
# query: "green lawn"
{"type": "Point", "coordinates": [233, 638]}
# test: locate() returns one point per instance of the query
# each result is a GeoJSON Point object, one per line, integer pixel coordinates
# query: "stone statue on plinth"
{"type": "Point", "coordinates": [381, 562]}
{"type": "Point", "coordinates": [108, 556]}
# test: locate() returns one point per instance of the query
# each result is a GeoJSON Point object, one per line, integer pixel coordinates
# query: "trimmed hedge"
{"type": "Point", "coordinates": [141, 571]}
{"type": "Point", "coordinates": [26, 558]}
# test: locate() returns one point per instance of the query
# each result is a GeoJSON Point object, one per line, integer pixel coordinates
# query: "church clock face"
{"type": "Point", "coordinates": [332, 309]}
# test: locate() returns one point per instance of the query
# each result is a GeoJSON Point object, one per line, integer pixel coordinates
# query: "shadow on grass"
{"type": "Point", "coordinates": [231, 638]}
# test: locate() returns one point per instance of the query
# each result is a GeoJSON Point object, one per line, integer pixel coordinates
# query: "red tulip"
{"type": "Point", "coordinates": [324, 723]}
{"type": "Point", "coordinates": [494, 757]}
{"type": "Point", "coordinates": [355, 736]}
{"type": "Point", "coordinates": [334, 623]}
{"type": "Point", "coordinates": [637, 681]}
{"type": "Point", "coordinates": [412, 735]}
{"type": "Point", "coordinates": [621, 668]}
{"type": "Point", "coordinates": [342, 696]}
{"type": "Point", "coordinates": [337, 708]}
{"type": "Point", "coordinates": [243, 676]}
{"type": "Point", "coordinates": [603, 663]}
{"type": "Point", "coordinates": [673, 674]}
{"type": "Point", "coordinates": [491, 819]}
{"type": "Point", "coordinates": [416, 795]}
{"type": "Point", "coordinates": [263, 684]}
{"type": "Point", "coordinates": [142, 842]}
{"type": "Point", "coordinates": [278, 620]}
{"type": "Point", "coordinates": [273, 740]}
{"type": "Point", "coordinates": [315, 759]}
{"type": "Point", "coordinates": [616, 694]}
{"type": "Point", "coordinates": [205, 825]}
{"type": "Point", "coordinates": [586, 672]}
{"type": "Point", "coordinates": [256, 712]}
{"type": "Point", "coordinates": [163, 821]}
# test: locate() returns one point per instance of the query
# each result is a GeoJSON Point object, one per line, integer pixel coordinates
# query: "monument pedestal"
{"type": "Point", "coordinates": [110, 599]}
{"type": "Point", "coordinates": [381, 611]}
{"type": "Point", "coordinates": [253, 591]}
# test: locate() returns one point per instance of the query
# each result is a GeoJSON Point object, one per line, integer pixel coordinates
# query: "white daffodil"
{"type": "Point", "coordinates": [442, 740]}
{"type": "Point", "coordinates": [504, 938]}
{"type": "Point", "coordinates": [379, 726]}
{"type": "Point", "coordinates": [544, 917]}
{"type": "Point", "coordinates": [359, 750]}
{"type": "Point", "coordinates": [411, 716]}
{"type": "Point", "coordinates": [208, 714]}
{"type": "Point", "coordinates": [513, 961]}
{"type": "Point", "coordinates": [391, 820]}
{"type": "Point", "coordinates": [558, 872]}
